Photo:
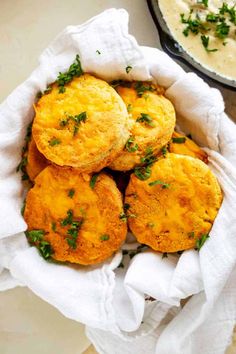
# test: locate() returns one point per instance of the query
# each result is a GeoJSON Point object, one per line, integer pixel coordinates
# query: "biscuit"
{"type": "Point", "coordinates": [77, 218]}
{"type": "Point", "coordinates": [181, 144]}
{"type": "Point", "coordinates": [85, 127]}
{"type": "Point", "coordinates": [176, 206]}
{"type": "Point", "coordinates": [152, 121]}
{"type": "Point", "coordinates": [36, 162]}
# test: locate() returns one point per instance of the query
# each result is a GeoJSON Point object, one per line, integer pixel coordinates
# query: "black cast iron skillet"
{"type": "Point", "coordinates": [170, 46]}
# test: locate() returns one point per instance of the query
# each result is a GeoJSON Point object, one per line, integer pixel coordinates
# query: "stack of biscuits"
{"type": "Point", "coordinates": [89, 135]}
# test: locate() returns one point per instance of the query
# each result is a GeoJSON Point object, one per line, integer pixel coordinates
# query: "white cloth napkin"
{"type": "Point", "coordinates": [111, 300]}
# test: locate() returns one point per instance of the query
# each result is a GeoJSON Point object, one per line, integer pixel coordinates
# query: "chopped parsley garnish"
{"type": "Point", "coordinates": [71, 193]}
{"type": "Point", "coordinates": [149, 158]}
{"type": "Point", "coordinates": [163, 184]}
{"type": "Point", "coordinates": [141, 87]}
{"type": "Point", "coordinates": [193, 25]}
{"type": "Point", "coordinates": [150, 224]}
{"type": "Point", "coordinates": [130, 146]}
{"type": "Point", "coordinates": [93, 180]}
{"type": "Point", "coordinates": [104, 237]}
{"type": "Point", "coordinates": [179, 140]}
{"type": "Point", "coordinates": [98, 52]}
{"type": "Point", "coordinates": [204, 2]}
{"type": "Point", "coordinates": [128, 69]}
{"type": "Point", "coordinates": [164, 151]}
{"type": "Point", "coordinates": [222, 30]}
{"type": "Point", "coordinates": [78, 118]}
{"type": "Point", "coordinates": [54, 226]}
{"type": "Point", "coordinates": [64, 122]}
{"type": "Point", "coordinates": [73, 231]}
{"type": "Point", "coordinates": [123, 217]}
{"type": "Point", "coordinates": [142, 173]}
{"type": "Point", "coordinates": [205, 43]}
{"type": "Point", "coordinates": [44, 247]}
{"type": "Point", "coordinates": [68, 220]}
{"type": "Point", "coordinates": [75, 70]}
{"type": "Point", "coordinates": [35, 235]}
{"type": "Point", "coordinates": [54, 141]}
{"type": "Point", "coordinates": [225, 9]}
{"type": "Point", "coordinates": [145, 118]}
{"type": "Point", "coordinates": [200, 242]}
{"type": "Point", "coordinates": [212, 17]}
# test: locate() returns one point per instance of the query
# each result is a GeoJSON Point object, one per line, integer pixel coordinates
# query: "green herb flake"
{"type": "Point", "coordinates": [35, 235]}
{"type": "Point", "coordinates": [71, 193]}
{"type": "Point", "coordinates": [164, 151]}
{"type": "Point", "coordinates": [158, 182]}
{"type": "Point", "coordinates": [73, 232]}
{"type": "Point", "coordinates": [222, 30]}
{"type": "Point", "coordinates": [149, 157]}
{"type": "Point", "coordinates": [193, 25]}
{"type": "Point", "coordinates": [142, 173]}
{"type": "Point", "coordinates": [93, 180]}
{"type": "Point", "coordinates": [203, 2]}
{"type": "Point", "coordinates": [123, 217]}
{"type": "Point", "coordinates": [75, 70]}
{"type": "Point", "coordinates": [104, 237]}
{"type": "Point", "coordinates": [128, 69]}
{"type": "Point", "coordinates": [150, 224]}
{"type": "Point", "coordinates": [205, 43]}
{"type": "Point", "coordinates": [79, 118]}
{"type": "Point", "coordinates": [54, 141]}
{"type": "Point", "coordinates": [45, 249]}
{"type": "Point", "coordinates": [130, 146]}
{"type": "Point", "coordinates": [141, 88]}
{"type": "Point", "coordinates": [98, 52]}
{"type": "Point", "coordinates": [212, 17]}
{"type": "Point", "coordinates": [54, 226]}
{"type": "Point", "coordinates": [68, 220]}
{"type": "Point", "coordinates": [179, 140]}
{"type": "Point", "coordinates": [200, 242]}
{"type": "Point", "coordinates": [64, 122]}
{"type": "Point", "coordinates": [145, 118]}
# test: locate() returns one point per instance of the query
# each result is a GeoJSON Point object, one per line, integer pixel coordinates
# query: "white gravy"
{"type": "Point", "coordinates": [223, 61]}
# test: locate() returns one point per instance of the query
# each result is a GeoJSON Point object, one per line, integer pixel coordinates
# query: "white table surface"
{"type": "Point", "coordinates": [29, 325]}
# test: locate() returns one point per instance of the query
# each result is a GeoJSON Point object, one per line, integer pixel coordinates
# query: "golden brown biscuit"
{"type": "Point", "coordinates": [181, 144]}
{"type": "Point", "coordinates": [152, 121]}
{"type": "Point", "coordinates": [78, 219]}
{"type": "Point", "coordinates": [176, 206]}
{"type": "Point", "coordinates": [36, 162]}
{"type": "Point", "coordinates": [84, 127]}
